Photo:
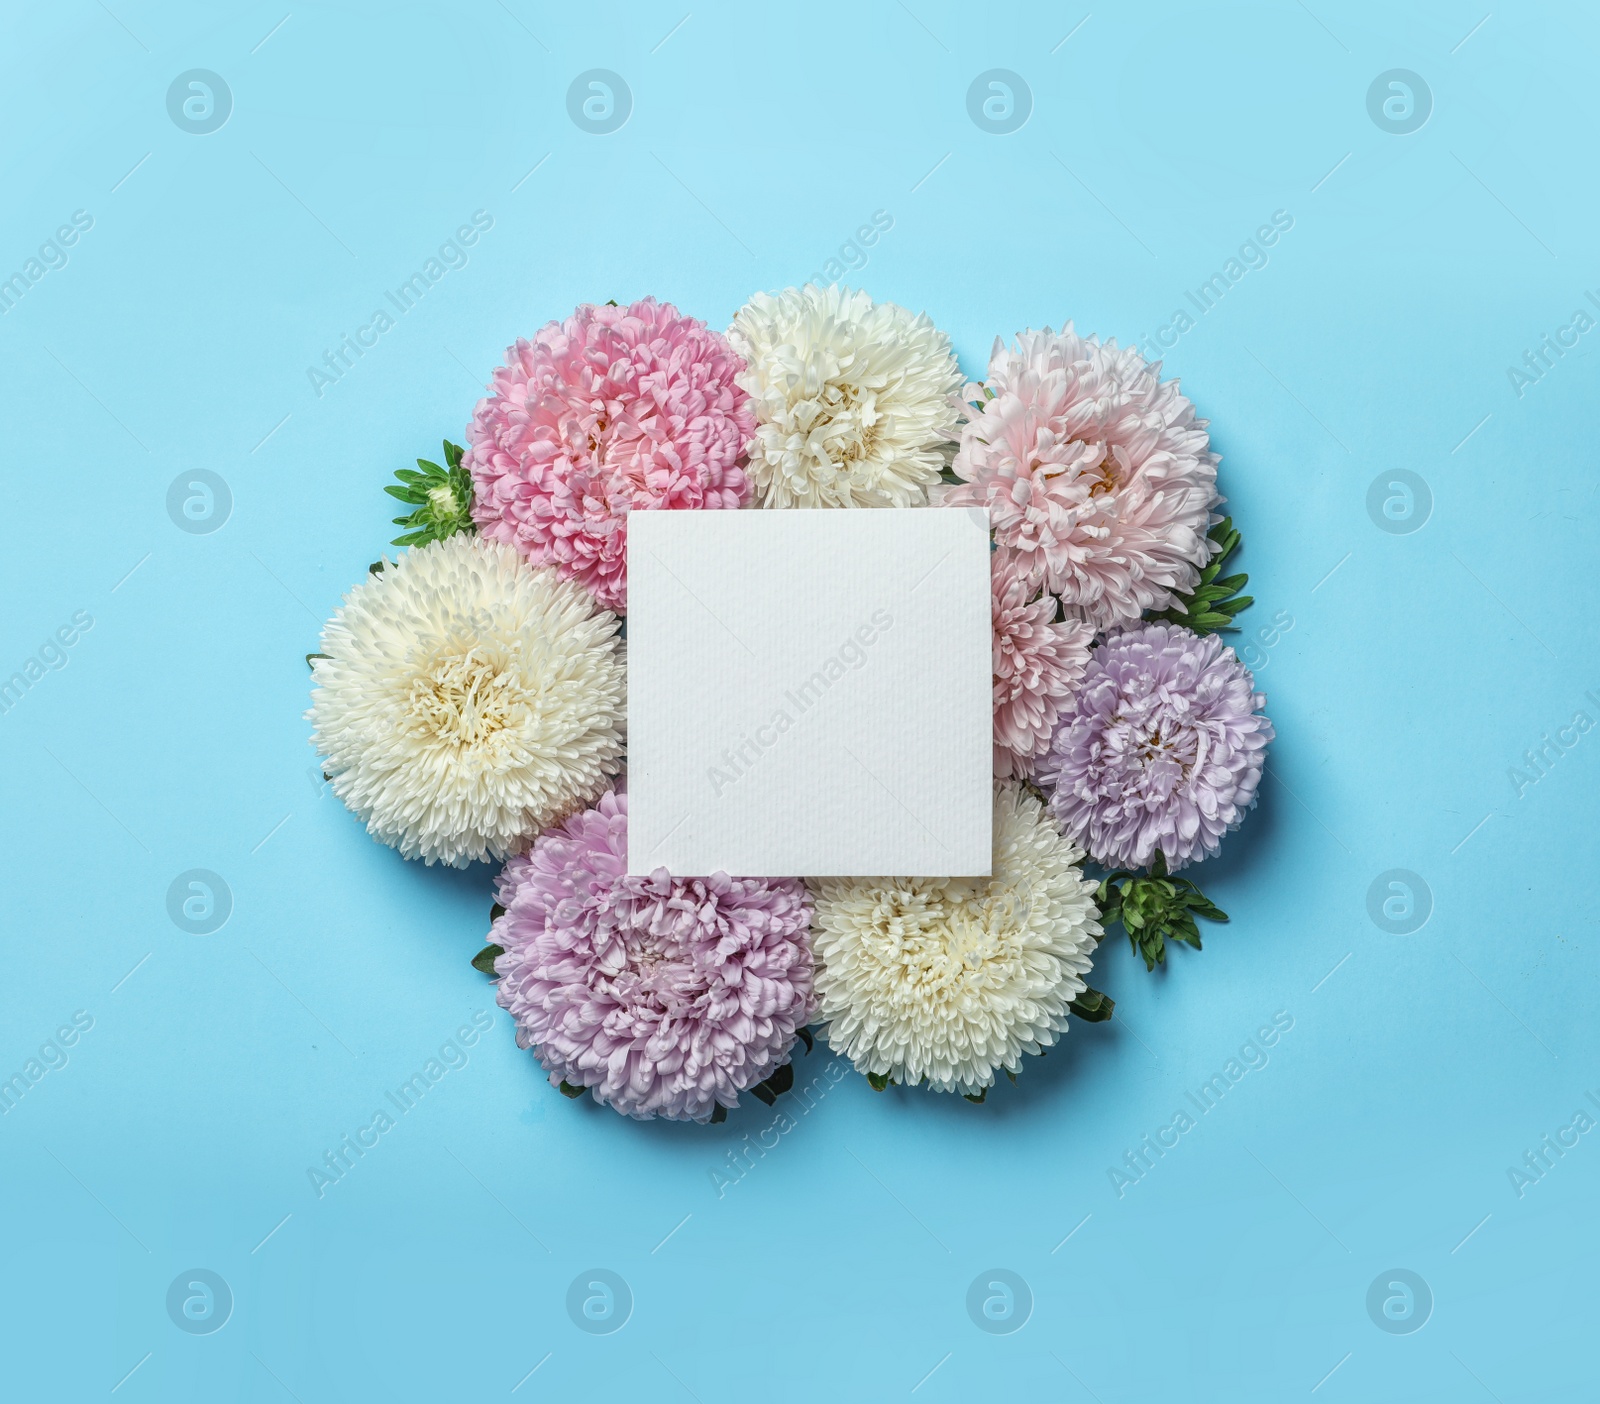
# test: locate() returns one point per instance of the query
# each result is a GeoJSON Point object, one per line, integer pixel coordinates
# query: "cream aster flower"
{"type": "Point", "coordinates": [464, 701]}
{"type": "Point", "coordinates": [944, 981]}
{"type": "Point", "coordinates": [852, 398]}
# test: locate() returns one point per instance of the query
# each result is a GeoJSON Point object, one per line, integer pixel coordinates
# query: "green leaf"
{"type": "Point", "coordinates": [976, 1097]}
{"type": "Point", "coordinates": [495, 913]}
{"type": "Point", "coordinates": [376, 568]}
{"type": "Point", "coordinates": [1092, 1006]}
{"type": "Point", "coordinates": [311, 659]}
{"type": "Point", "coordinates": [806, 1038]}
{"type": "Point", "coordinates": [1211, 606]}
{"type": "Point", "coordinates": [776, 1085]}
{"type": "Point", "coordinates": [719, 1114]}
{"type": "Point", "coordinates": [485, 958]}
{"type": "Point", "coordinates": [878, 1081]}
{"type": "Point", "coordinates": [1152, 908]}
{"type": "Point", "coordinates": [568, 1090]}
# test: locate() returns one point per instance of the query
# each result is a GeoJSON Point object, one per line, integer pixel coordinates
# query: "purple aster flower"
{"type": "Point", "coordinates": [1161, 749]}
{"type": "Point", "coordinates": [664, 996]}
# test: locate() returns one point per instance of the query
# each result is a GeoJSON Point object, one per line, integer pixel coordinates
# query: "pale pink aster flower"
{"type": "Point", "coordinates": [1097, 474]}
{"type": "Point", "coordinates": [1037, 664]}
{"type": "Point", "coordinates": [613, 410]}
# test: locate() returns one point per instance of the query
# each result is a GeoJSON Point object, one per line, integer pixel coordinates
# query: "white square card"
{"type": "Point", "coordinates": [809, 693]}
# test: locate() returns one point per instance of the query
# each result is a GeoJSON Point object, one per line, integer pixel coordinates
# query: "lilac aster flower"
{"type": "Point", "coordinates": [664, 996]}
{"type": "Point", "coordinates": [1162, 748]}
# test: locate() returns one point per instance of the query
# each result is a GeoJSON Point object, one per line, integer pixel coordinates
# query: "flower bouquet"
{"type": "Point", "coordinates": [470, 694]}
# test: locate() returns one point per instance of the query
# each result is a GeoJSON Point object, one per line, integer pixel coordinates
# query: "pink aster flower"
{"type": "Point", "coordinates": [664, 996]}
{"type": "Point", "coordinates": [1162, 748]}
{"type": "Point", "coordinates": [1096, 473]}
{"type": "Point", "coordinates": [612, 410]}
{"type": "Point", "coordinates": [1037, 663]}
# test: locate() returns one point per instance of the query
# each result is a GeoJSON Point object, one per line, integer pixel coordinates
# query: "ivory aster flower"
{"type": "Point", "coordinates": [1037, 663]}
{"type": "Point", "coordinates": [1162, 748]}
{"type": "Point", "coordinates": [1098, 477]}
{"type": "Point", "coordinates": [465, 702]}
{"type": "Point", "coordinates": [945, 981]}
{"type": "Point", "coordinates": [852, 398]}
{"type": "Point", "coordinates": [665, 996]}
{"type": "Point", "coordinates": [613, 410]}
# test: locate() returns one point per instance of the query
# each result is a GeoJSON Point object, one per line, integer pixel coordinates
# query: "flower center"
{"type": "Point", "coordinates": [1102, 478]}
{"type": "Point", "coordinates": [1166, 760]}
{"type": "Point", "coordinates": [644, 954]}
{"type": "Point", "coordinates": [1093, 466]}
{"type": "Point", "coordinates": [842, 401]}
{"type": "Point", "coordinates": [463, 698]}
{"type": "Point", "coordinates": [1155, 746]}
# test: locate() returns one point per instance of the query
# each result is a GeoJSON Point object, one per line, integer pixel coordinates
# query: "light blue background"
{"type": "Point", "coordinates": [1418, 670]}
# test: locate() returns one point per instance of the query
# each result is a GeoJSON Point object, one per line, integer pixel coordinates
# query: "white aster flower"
{"type": "Point", "coordinates": [465, 701]}
{"type": "Point", "coordinates": [852, 398]}
{"type": "Point", "coordinates": [944, 981]}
